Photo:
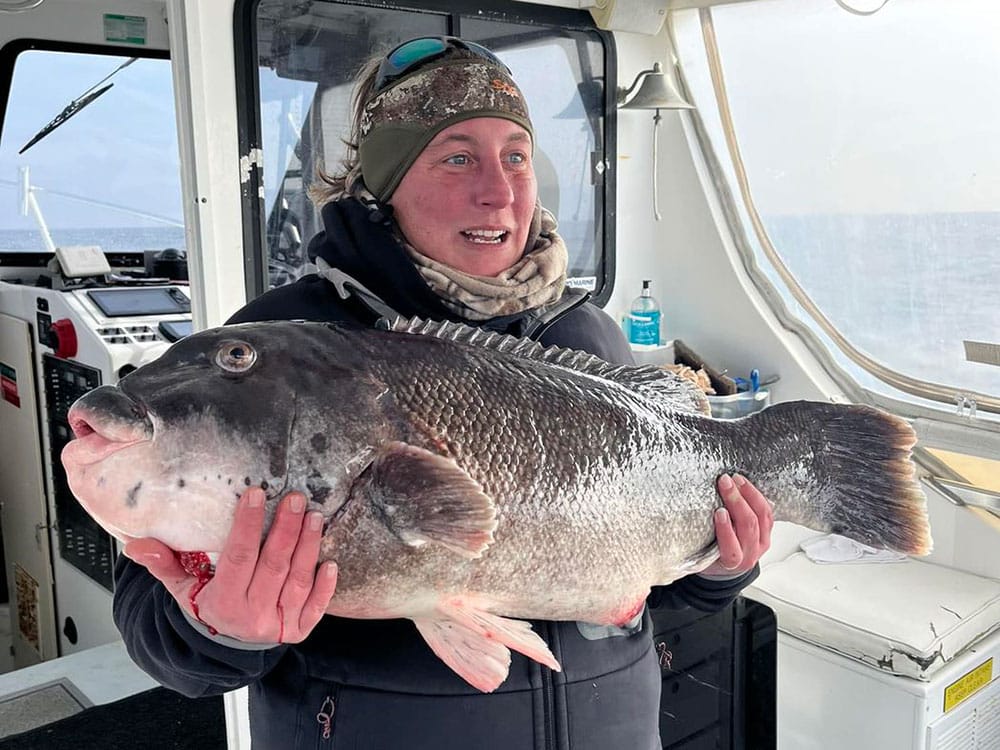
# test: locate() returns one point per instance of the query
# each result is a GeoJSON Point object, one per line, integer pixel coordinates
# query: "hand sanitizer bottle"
{"type": "Point", "coordinates": [644, 318]}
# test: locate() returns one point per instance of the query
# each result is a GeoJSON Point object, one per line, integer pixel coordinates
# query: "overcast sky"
{"type": "Point", "coordinates": [121, 148]}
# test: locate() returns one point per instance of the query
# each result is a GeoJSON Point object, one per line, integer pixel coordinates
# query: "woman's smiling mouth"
{"type": "Point", "coordinates": [485, 236]}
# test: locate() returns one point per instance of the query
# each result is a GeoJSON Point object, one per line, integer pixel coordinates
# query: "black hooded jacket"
{"type": "Point", "coordinates": [375, 684]}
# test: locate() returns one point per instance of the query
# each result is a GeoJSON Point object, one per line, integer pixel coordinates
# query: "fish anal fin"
{"type": "Point", "coordinates": [515, 634]}
{"type": "Point", "coordinates": [475, 643]}
{"type": "Point", "coordinates": [426, 498]}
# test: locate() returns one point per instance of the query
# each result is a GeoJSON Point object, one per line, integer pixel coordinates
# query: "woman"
{"type": "Point", "coordinates": [435, 214]}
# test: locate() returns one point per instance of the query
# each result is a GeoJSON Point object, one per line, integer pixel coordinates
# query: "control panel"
{"type": "Point", "coordinates": [82, 542]}
{"type": "Point", "coordinates": [81, 338]}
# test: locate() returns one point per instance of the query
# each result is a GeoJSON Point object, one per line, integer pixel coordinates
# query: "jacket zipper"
{"type": "Point", "coordinates": [325, 717]}
{"type": "Point", "coordinates": [537, 326]}
{"type": "Point", "coordinates": [549, 699]}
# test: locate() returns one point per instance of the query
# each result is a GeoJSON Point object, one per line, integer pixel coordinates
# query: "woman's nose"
{"type": "Point", "coordinates": [494, 187]}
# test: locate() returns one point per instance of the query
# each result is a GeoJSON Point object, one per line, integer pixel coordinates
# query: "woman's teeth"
{"type": "Point", "coordinates": [485, 236]}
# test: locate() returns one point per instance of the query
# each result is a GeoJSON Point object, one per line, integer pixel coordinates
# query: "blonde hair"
{"type": "Point", "coordinates": [331, 186]}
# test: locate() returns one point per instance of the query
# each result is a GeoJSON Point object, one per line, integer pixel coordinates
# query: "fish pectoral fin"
{"type": "Point", "coordinates": [475, 643]}
{"type": "Point", "coordinates": [426, 498]}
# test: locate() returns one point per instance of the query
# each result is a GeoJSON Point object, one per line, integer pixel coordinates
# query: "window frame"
{"type": "Point", "coordinates": [8, 61]}
{"type": "Point", "coordinates": [250, 133]}
{"type": "Point", "coordinates": [932, 406]}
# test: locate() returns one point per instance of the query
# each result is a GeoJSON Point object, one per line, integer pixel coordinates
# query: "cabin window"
{"type": "Point", "coordinates": [870, 159]}
{"type": "Point", "coordinates": [306, 58]}
{"type": "Point", "coordinates": [109, 175]}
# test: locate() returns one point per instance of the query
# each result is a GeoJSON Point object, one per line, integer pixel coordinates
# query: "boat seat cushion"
{"type": "Point", "coordinates": [907, 618]}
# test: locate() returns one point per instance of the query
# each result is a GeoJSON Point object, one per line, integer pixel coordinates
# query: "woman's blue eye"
{"type": "Point", "coordinates": [460, 159]}
{"type": "Point", "coordinates": [518, 158]}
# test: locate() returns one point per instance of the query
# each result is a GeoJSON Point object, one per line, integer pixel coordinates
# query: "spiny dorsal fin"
{"type": "Point", "coordinates": [649, 380]}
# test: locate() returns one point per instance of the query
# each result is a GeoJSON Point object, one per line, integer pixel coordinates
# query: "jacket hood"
{"type": "Point", "coordinates": [361, 242]}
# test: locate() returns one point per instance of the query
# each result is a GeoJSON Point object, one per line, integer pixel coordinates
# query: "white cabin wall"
{"type": "Point", "coordinates": [639, 243]}
{"type": "Point", "coordinates": [83, 22]}
{"type": "Point", "coordinates": [705, 294]}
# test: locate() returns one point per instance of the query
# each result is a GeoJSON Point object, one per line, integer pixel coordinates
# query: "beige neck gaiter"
{"type": "Point", "coordinates": [537, 279]}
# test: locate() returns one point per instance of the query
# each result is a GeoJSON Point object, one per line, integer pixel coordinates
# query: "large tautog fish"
{"type": "Point", "coordinates": [471, 481]}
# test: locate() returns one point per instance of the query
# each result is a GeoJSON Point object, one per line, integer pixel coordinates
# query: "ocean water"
{"type": "Point", "coordinates": [112, 239]}
{"type": "Point", "coordinates": [905, 289]}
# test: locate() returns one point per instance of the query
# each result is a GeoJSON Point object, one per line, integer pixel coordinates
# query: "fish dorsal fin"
{"type": "Point", "coordinates": [648, 380]}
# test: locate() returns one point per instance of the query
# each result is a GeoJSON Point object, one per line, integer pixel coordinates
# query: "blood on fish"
{"type": "Point", "coordinates": [623, 620]}
{"type": "Point", "coordinates": [198, 565]}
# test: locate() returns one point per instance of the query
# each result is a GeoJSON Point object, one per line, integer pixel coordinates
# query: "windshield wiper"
{"type": "Point", "coordinates": [75, 106]}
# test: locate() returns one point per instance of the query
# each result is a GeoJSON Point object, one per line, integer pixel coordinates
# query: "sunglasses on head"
{"type": "Point", "coordinates": [409, 55]}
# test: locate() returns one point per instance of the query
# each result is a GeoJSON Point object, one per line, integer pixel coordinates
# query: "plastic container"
{"type": "Point", "coordinates": [739, 404]}
{"type": "Point", "coordinates": [653, 354]}
{"type": "Point", "coordinates": [644, 318]}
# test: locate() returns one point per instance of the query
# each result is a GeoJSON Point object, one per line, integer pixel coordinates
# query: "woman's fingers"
{"type": "Point", "coordinates": [238, 560]}
{"type": "Point", "coordinates": [744, 517]}
{"type": "Point", "coordinates": [730, 550]}
{"type": "Point", "coordinates": [743, 527]}
{"type": "Point", "coordinates": [160, 561]}
{"type": "Point", "coordinates": [262, 594]}
{"type": "Point", "coordinates": [302, 575]}
{"type": "Point", "coordinates": [275, 560]}
{"type": "Point", "coordinates": [761, 507]}
{"type": "Point", "coordinates": [319, 598]}
{"type": "Point", "coordinates": [287, 595]}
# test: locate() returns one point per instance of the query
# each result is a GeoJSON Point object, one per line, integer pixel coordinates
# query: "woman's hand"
{"type": "Point", "coordinates": [260, 594]}
{"type": "Point", "coordinates": [742, 528]}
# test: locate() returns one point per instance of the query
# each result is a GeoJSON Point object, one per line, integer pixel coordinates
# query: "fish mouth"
{"type": "Point", "coordinates": [105, 422]}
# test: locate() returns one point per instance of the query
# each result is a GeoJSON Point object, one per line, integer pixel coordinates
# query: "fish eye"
{"type": "Point", "coordinates": [236, 356]}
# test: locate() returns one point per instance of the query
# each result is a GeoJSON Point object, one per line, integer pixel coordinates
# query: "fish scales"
{"type": "Point", "coordinates": [468, 478]}
{"type": "Point", "coordinates": [595, 443]}
{"type": "Point", "coordinates": [545, 416]}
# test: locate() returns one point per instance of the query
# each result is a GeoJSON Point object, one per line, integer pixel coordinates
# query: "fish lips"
{"type": "Point", "coordinates": [105, 421]}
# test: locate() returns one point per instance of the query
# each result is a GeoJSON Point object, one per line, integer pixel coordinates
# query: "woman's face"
{"type": "Point", "coordinates": [469, 198]}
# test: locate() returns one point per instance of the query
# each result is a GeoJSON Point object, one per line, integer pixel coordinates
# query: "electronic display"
{"type": "Point", "coordinates": [118, 303]}
{"type": "Point", "coordinates": [175, 330]}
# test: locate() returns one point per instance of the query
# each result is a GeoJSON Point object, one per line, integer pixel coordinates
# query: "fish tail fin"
{"type": "Point", "coordinates": [864, 485]}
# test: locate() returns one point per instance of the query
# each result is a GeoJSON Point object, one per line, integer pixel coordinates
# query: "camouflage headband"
{"type": "Point", "coordinates": [399, 122]}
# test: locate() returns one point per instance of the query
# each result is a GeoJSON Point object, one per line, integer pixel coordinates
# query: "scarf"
{"type": "Point", "coordinates": [537, 279]}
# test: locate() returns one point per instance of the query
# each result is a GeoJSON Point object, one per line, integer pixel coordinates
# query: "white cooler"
{"type": "Point", "coordinates": [881, 656]}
